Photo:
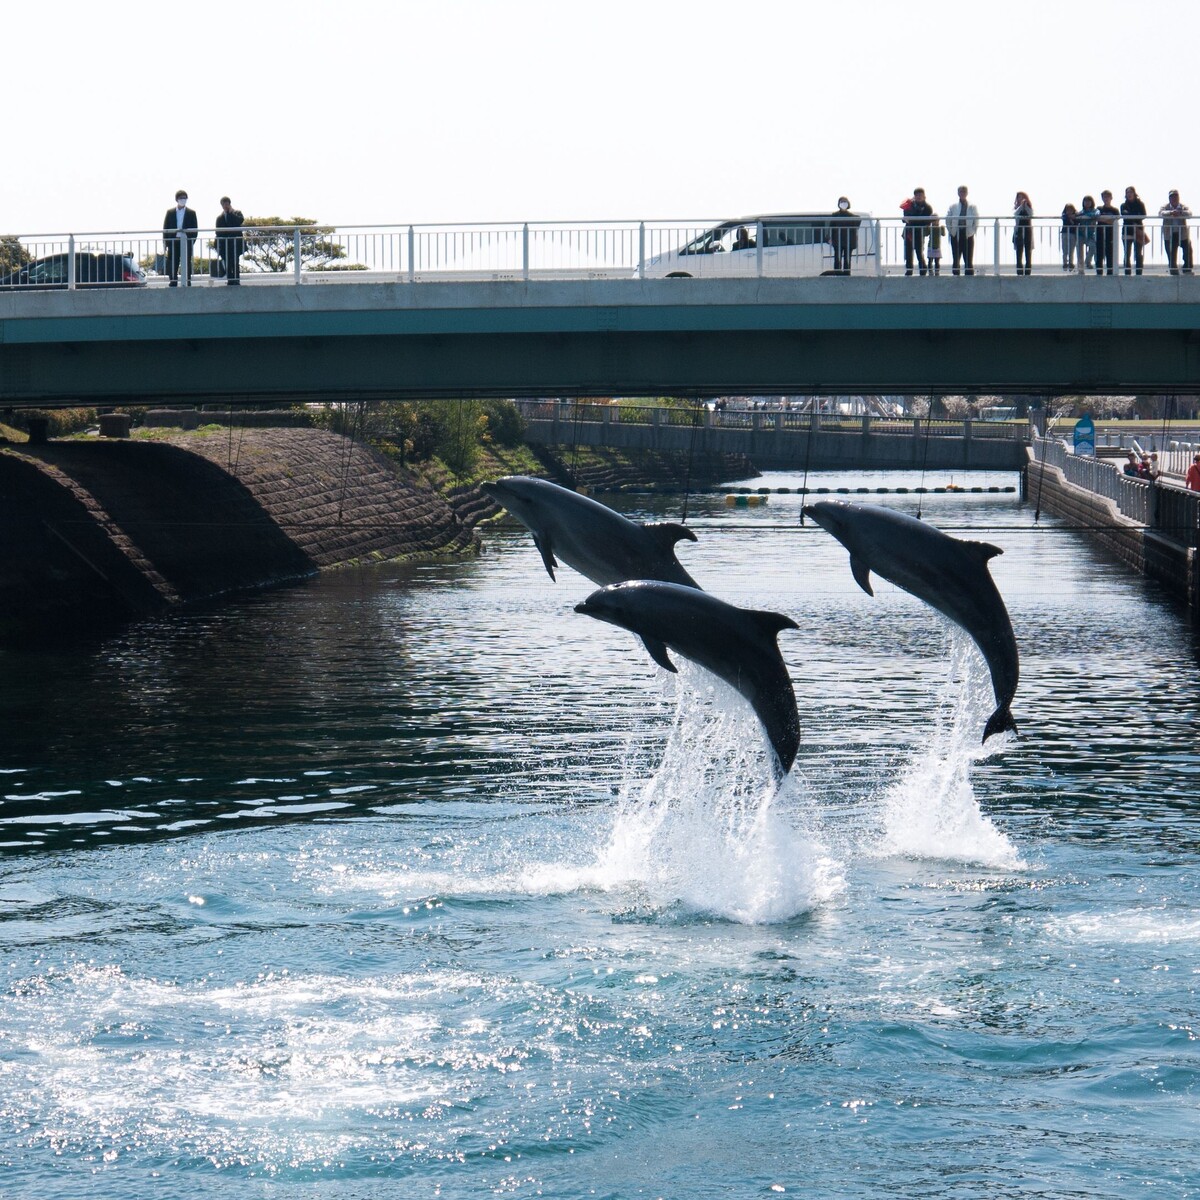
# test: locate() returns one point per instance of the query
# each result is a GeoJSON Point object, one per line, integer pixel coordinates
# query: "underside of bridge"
{"type": "Point", "coordinates": [666, 337]}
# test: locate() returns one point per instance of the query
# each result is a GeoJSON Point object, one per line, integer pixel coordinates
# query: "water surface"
{"type": "Point", "coordinates": [413, 882]}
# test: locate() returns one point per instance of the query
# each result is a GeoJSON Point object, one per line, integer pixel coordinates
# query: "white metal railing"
{"type": "Point", "coordinates": [788, 247]}
{"type": "Point", "coordinates": [1165, 505]}
{"type": "Point", "coordinates": [793, 414]}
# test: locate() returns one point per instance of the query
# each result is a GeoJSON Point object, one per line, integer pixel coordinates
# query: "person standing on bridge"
{"type": "Point", "coordinates": [1106, 234]}
{"type": "Point", "coordinates": [1133, 233]}
{"type": "Point", "coordinates": [179, 233]}
{"type": "Point", "coordinates": [917, 215]}
{"type": "Point", "coordinates": [1175, 233]}
{"type": "Point", "coordinates": [1023, 232]}
{"type": "Point", "coordinates": [843, 234]}
{"type": "Point", "coordinates": [1085, 221]}
{"type": "Point", "coordinates": [230, 243]}
{"type": "Point", "coordinates": [962, 222]}
{"type": "Point", "coordinates": [1192, 479]}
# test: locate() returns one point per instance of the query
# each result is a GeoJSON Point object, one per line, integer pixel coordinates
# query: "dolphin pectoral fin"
{"type": "Point", "coordinates": [1001, 721]}
{"type": "Point", "coordinates": [658, 651]}
{"type": "Point", "coordinates": [667, 533]}
{"type": "Point", "coordinates": [542, 542]}
{"type": "Point", "coordinates": [862, 574]}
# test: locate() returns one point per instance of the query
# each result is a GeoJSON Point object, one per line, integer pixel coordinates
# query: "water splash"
{"type": "Point", "coordinates": [709, 829]}
{"type": "Point", "coordinates": [931, 810]}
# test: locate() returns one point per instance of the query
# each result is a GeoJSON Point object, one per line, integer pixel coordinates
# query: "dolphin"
{"type": "Point", "coordinates": [598, 542]}
{"type": "Point", "coordinates": [736, 644]}
{"type": "Point", "coordinates": [948, 574]}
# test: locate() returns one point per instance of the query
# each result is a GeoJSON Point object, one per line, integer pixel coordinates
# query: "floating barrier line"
{"type": "Point", "coordinates": [949, 489]}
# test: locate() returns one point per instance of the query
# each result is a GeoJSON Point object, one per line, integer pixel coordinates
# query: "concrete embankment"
{"type": "Point", "coordinates": [1155, 555]}
{"type": "Point", "coordinates": [97, 531]}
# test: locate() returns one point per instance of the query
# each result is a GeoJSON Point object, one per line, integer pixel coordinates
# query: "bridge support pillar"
{"type": "Point", "coordinates": [114, 425]}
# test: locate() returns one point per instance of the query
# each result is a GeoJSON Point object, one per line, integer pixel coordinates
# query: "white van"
{"type": "Point", "coordinates": [792, 244]}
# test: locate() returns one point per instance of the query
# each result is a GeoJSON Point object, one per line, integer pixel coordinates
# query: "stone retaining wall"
{"type": "Point", "coordinates": [1171, 563]}
{"type": "Point", "coordinates": [98, 531]}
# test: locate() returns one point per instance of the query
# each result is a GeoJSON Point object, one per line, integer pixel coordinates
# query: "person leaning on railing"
{"type": "Point", "coordinates": [917, 218]}
{"type": "Point", "coordinates": [1175, 233]}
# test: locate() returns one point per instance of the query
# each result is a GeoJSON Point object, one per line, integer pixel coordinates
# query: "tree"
{"type": "Point", "coordinates": [271, 245]}
{"type": "Point", "coordinates": [13, 256]}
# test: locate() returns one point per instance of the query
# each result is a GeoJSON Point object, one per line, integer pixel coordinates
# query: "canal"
{"type": "Point", "coordinates": [410, 881]}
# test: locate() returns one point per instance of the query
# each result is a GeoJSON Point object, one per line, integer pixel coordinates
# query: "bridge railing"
{"type": "Point", "coordinates": [1164, 505]}
{"type": "Point", "coordinates": [790, 415]}
{"type": "Point", "coordinates": [614, 249]}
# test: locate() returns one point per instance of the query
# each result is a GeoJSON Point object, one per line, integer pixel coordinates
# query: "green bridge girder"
{"type": "Point", "coordinates": [348, 339]}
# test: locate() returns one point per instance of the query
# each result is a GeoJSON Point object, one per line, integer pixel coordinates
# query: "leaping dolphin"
{"type": "Point", "coordinates": [948, 574]}
{"type": "Point", "coordinates": [598, 542]}
{"type": "Point", "coordinates": [736, 644]}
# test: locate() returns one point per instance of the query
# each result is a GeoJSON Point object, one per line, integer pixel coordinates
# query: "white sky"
{"type": "Point", "coordinates": [498, 110]}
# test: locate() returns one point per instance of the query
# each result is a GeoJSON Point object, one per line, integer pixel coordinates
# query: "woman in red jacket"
{"type": "Point", "coordinates": [1193, 474]}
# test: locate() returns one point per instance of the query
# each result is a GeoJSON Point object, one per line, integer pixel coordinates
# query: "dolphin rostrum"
{"type": "Point", "coordinates": [598, 542]}
{"type": "Point", "coordinates": [948, 574]}
{"type": "Point", "coordinates": [736, 644]}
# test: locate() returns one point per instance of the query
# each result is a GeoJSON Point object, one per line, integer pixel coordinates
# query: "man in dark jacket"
{"type": "Point", "coordinates": [179, 232]}
{"type": "Point", "coordinates": [917, 220]}
{"type": "Point", "coordinates": [230, 243]}
{"type": "Point", "coordinates": [843, 234]}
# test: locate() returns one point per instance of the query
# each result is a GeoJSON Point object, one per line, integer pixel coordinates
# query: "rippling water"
{"type": "Point", "coordinates": [413, 882]}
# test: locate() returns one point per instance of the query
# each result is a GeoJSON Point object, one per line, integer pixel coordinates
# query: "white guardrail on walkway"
{"type": "Point", "coordinates": [1165, 505]}
{"type": "Point", "coordinates": [779, 414]}
{"type": "Point", "coordinates": [785, 246]}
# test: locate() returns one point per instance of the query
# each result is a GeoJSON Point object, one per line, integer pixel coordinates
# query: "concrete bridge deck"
{"type": "Point", "coordinates": [702, 337]}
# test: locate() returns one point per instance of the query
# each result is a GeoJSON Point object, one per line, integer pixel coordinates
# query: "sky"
{"type": "Point", "coordinates": [355, 113]}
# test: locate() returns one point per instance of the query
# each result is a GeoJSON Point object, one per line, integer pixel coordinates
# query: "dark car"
{"type": "Point", "coordinates": [91, 270]}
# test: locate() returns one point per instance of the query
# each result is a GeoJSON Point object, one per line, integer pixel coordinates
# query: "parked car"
{"type": "Point", "coordinates": [97, 270]}
{"type": "Point", "coordinates": [792, 244]}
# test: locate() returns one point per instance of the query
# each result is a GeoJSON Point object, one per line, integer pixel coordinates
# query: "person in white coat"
{"type": "Point", "coordinates": [962, 220]}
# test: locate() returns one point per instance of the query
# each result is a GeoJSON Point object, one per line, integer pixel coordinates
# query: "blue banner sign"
{"type": "Point", "coordinates": [1085, 437]}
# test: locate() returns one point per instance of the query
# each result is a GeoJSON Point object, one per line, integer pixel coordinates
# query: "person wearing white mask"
{"type": "Point", "coordinates": [962, 222]}
{"type": "Point", "coordinates": [843, 234]}
{"type": "Point", "coordinates": [179, 232]}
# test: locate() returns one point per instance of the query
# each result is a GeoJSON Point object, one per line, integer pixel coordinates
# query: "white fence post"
{"type": "Point", "coordinates": [996, 246]}
{"type": "Point", "coordinates": [71, 263]}
{"type": "Point", "coordinates": [412, 254]}
{"type": "Point", "coordinates": [878, 247]}
{"type": "Point", "coordinates": [641, 271]}
{"type": "Point", "coordinates": [525, 252]}
{"type": "Point", "coordinates": [758, 248]}
{"type": "Point", "coordinates": [296, 253]}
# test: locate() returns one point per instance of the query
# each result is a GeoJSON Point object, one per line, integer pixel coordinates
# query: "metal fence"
{"type": "Point", "coordinates": [790, 413]}
{"type": "Point", "coordinates": [1165, 505]}
{"type": "Point", "coordinates": [770, 247]}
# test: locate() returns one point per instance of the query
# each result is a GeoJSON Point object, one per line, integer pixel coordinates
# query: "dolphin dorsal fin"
{"type": "Point", "coordinates": [985, 550]}
{"type": "Point", "coordinates": [667, 533]}
{"type": "Point", "coordinates": [862, 574]}
{"type": "Point", "coordinates": [658, 651]}
{"type": "Point", "coordinates": [772, 623]}
{"type": "Point", "coordinates": [546, 550]}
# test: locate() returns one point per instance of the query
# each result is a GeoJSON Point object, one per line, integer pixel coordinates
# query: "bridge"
{"type": "Point", "coordinates": [630, 337]}
{"type": "Point", "coordinates": [550, 309]}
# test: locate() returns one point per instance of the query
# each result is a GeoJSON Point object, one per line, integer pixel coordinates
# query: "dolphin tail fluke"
{"type": "Point", "coordinates": [1001, 721]}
